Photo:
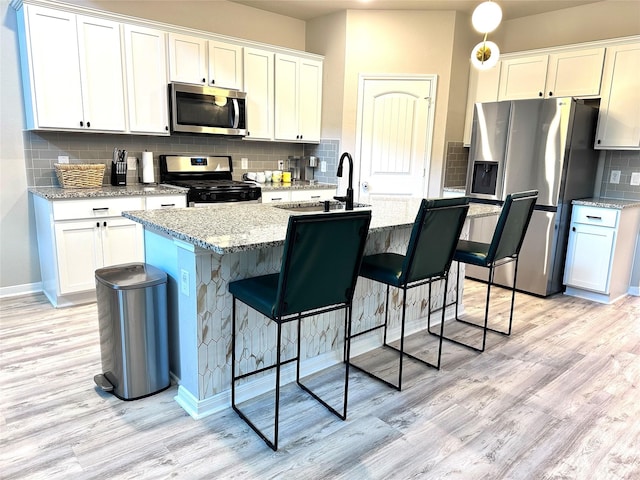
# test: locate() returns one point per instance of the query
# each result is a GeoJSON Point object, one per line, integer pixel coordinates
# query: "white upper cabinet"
{"type": "Point", "coordinates": [483, 87]}
{"type": "Point", "coordinates": [571, 73]}
{"type": "Point", "coordinates": [204, 62]}
{"type": "Point", "coordinates": [619, 119]}
{"type": "Point", "coordinates": [225, 65]}
{"type": "Point", "coordinates": [298, 98]}
{"type": "Point", "coordinates": [523, 77]}
{"type": "Point", "coordinates": [145, 54]}
{"type": "Point", "coordinates": [72, 73]}
{"type": "Point", "coordinates": [575, 74]}
{"type": "Point", "coordinates": [259, 86]}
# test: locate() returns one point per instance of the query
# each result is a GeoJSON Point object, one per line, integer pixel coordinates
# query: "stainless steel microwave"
{"type": "Point", "coordinates": [209, 110]}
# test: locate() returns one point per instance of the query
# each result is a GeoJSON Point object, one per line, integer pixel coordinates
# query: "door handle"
{"type": "Point", "coordinates": [365, 187]}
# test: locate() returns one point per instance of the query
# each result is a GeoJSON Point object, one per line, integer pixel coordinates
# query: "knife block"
{"type": "Point", "coordinates": [118, 179]}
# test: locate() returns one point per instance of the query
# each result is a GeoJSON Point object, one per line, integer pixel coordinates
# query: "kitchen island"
{"type": "Point", "coordinates": [203, 249]}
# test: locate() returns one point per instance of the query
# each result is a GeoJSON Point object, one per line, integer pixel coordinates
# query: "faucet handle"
{"type": "Point", "coordinates": [340, 199]}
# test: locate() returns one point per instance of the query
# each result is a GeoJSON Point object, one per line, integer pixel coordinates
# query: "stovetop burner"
{"type": "Point", "coordinates": [207, 178]}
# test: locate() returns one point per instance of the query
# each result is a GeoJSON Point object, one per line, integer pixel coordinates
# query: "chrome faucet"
{"type": "Point", "coordinates": [348, 199]}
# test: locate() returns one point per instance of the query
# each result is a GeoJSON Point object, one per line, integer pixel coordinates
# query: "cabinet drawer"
{"type": "Point", "coordinates": [604, 217]}
{"type": "Point", "coordinates": [166, 201]}
{"type": "Point", "coordinates": [95, 207]}
{"type": "Point", "coordinates": [311, 195]}
{"type": "Point", "coordinates": [277, 196]}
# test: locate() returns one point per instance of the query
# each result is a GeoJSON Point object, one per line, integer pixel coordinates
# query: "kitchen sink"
{"type": "Point", "coordinates": [332, 206]}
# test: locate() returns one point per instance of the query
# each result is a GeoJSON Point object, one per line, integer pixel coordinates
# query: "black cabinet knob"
{"type": "Point", "coordinates": [213, 82]}
{"type": "Point", "coordinates": [81, 123]}
{"type": "Point", "coordinates": [98, 224]}
{"type": "Point", "coordinates": [551, 94]}
{"type": "Point", "coordinates": [104, 224]}
{"type": "Point", "coordinates": [166, 127]}
{"type": "Point", "coordinates": [539, 94]}
{"type": "Point", "coordinates": [204, 80]}
{"type": "Point", "coordinates": [599, 142]}
{"type": "Point", "coordinates": [88, 124]}
{"type": "Point", "coordinates": [573, 229]}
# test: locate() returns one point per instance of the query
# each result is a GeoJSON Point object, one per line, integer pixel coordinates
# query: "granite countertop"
{"type": "Point", "coordinates": [135, 190]}
{"type": "Point", "coordinates": [232, 228]}
{"type": "Point", "coordinates": [297, 185]}
{"type": "Point", "coordinates": [616, 203]}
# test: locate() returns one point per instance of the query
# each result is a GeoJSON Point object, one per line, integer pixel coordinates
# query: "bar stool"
{"type": "Point", "coordinates": [429, 254]}
{"type": "Point", "coordinates": [320, 263]}
{"type": "Point", "coordinates": [504, 248]}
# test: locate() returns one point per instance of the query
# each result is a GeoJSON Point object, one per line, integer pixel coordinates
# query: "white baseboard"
{"type": "Point", "coordinates": [16, 290]}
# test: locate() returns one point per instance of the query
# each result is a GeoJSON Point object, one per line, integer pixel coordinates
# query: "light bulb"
{"type": "Point", "coordinates": [486, 17]}
{"type": "Point", "coordinates": [485, 55]}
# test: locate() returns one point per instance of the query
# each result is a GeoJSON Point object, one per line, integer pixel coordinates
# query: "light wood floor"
{"type": "Point", "coordinates": [559, 399]}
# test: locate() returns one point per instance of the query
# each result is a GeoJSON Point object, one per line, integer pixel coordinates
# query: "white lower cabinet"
{"type": "Point", "coordinates": [600, 252]}
{"type": "Point", "coordinates": [77, 237]}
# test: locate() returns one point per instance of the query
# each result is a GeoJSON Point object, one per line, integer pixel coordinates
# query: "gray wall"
{"type": "Point", "coordinates": [18, 249]}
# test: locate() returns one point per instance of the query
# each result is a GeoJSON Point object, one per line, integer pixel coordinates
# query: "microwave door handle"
{"type": "Point", "coordinates": [236, 113]}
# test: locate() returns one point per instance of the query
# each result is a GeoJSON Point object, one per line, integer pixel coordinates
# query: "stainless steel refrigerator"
{"type": "Point", "coordinates": [541, 144]}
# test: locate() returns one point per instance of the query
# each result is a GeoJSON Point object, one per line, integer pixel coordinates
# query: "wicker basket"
{"type": "Point", "coordinates": [82, 175]}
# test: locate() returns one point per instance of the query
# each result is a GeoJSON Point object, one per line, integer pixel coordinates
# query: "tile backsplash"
{"type": "Point", "coordinates": [627, 162]}
{"type": "Point", "coordinates": [455, 174]}
{"type": "Point", "coordinates": [43, 148]}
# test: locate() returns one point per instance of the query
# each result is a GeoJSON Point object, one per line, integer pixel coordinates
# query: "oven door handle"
{"type": "Point", "coordinates": [236, 113]}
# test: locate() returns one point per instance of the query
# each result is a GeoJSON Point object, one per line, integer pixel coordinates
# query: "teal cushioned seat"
{"type": "Point", "coordinates": [428, 257]}
{"type": "Point", "coordinates": [505, 245]}
{"type": "Point", "coordinates": [320, 262]}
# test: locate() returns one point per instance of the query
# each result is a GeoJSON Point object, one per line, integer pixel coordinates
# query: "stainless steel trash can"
{"type": "Point", "coordinates": [132, 317]}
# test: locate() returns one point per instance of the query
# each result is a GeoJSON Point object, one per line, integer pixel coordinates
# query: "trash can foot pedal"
{"type": "Point", "coordinates": [103, 383]}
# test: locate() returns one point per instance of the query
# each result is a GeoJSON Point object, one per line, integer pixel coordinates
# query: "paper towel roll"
{"type": "Point", "coordinates": [147, 168]}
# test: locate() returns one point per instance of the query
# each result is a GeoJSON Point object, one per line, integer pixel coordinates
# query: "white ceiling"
{"type": "Point", "coordinates": [308, 9]}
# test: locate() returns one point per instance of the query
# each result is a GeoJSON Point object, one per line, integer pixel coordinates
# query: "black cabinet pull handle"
{"type": "Point", "coordinates": [593, 217]}
{"type": "Point", "coordinates": [104, 224]}
{"type": "Point", "coordinates": [81, 123]}
{"type": "Point", "coordinates": [166, 127]}
{"type": "Point", "coordinates": [204, 80]}
{"type": "Point", "coordinates": [598, 142]}
{"type": "Point", "coordinates": [167, 204]}
{"type": "Point", "coordinates": [539, 94]}
{"type": "Point", "coordinates": [573, 228]}
{"type": "Point", "coordinates": [100, 209]}
{"type": "Point", "coordinates": [213, 82]}
{"type": "Point", "coordinates": [88, 124]}
{"type": "Point", "coordinates": [98, 224]}
{"type": "Point", "coordinates": [551, 94]}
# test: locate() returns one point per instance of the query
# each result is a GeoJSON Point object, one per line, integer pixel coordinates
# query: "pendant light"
{"type": "Point", "coordinates": [485, 19]}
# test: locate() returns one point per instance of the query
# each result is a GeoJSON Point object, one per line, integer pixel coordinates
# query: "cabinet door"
{"type": "Point", "coordinates": [146, 80]}
{"type": "Point", "coordinates": [187, 59]}
{"type": "Point", "coordinates": [619, 119]}
{"type": "Point", "coordinates": [258, 84]}
{"type": "Point", "coordinates": [54, 68]}
{"type": "Point", "coordinates": [102, 74]}
{"type": "Point", "coordinates": [483, 87]}
{"type": "Point", "coordinates": [589, 254]}
{"type": "Point", "coordinates": [310, 100]}
{"type": "Point", "coordinates": [523, 77]}
{"type": "Point", "coordinates": [286, 108]}
{"type": "Point", "coordinates": [575, 73]}
{"type": "Point", "coordinates": [122, 241]}
{"type": "Point", "coordinates": [225, 65]}
{"type": "Point", "coordinates": [79, 254]}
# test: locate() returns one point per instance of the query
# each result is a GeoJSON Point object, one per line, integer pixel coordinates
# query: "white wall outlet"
{"type": "Point", "coordinates": [280, 164]}
{"type": "Point", "coordinates": [615, 176]}
{"type": "Point", "coordinates": [635, 178]}
{"type": "Point", "coordinates": [244, 163]}
{"type": "Point", "coordinates": [323, 166]}
{"type": "Point", "coordinates": [63, 158]}
{"type": "Point", "coordinates": [132, 163]}
{"type": "Point", "coordinates": [184, 282]}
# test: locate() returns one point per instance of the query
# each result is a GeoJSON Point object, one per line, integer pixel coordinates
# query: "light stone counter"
{"type": "Point", "coordinates": [618, 204]}
{"type": "Point", "coordinates": [296, 185]}
{"type": "Point", "coordinates": [203, 249]}
{"type": "Point", "coordinates": [134, 190]}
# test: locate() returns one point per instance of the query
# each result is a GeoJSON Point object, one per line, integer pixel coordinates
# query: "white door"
{"type": "Point", "coordinates": [122, 241]}
{"type": "Point", "coordinates": [225, 65]}
{"type": "Point", "coordinates": [395, 129]}
{"type": "Point", "coordinates": [79, 253]}
{"type": "Point", "coordinates": [258, 84]}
